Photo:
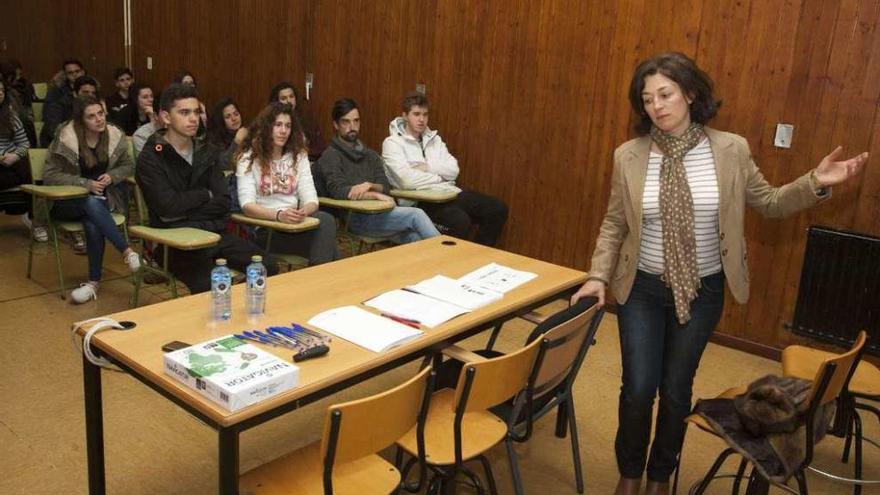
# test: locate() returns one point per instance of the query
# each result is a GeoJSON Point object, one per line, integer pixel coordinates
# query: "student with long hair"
{"type": "Point", "coordinates": [139, 111]}
{"type": "Point", "coordinates": [285, 92]}
{"type": "Point", "coordinates": [275, 182]}
{"type": "Point", "coordinates": [225, 130]}
{"type": "Point", "coordinates": [13, 143]}
{"type": "Point", "coordinates": [93, 154]}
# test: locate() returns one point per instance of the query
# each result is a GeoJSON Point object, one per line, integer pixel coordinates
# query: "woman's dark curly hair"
{"type": "Point", "coordinates": [259, 140]}
{"type": "Point", "coordinates": [694, 83]}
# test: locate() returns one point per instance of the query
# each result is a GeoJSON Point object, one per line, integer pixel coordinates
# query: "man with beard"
{"type": "Point", "coordinates": [350, 171]}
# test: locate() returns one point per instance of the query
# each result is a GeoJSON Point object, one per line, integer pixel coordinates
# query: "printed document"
{"type": "Point", "coordinates": [363, 328]}
{"type": "Point", "coordinates": [497, 277]}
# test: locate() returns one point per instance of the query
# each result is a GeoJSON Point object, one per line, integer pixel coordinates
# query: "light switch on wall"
{"type": "Point", "coordinates": [420, 88]}
{"type": "Point", "coordinates": [149, 63]}
{"type": "Point", "coordinates": [784, 133]}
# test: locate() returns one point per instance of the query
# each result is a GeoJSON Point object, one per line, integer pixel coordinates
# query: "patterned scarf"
{"type": "Point", "coordinates": [680, 272]}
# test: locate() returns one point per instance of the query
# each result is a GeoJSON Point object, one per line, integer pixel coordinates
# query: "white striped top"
{"type": "Point", "coordinates": [699, 165]}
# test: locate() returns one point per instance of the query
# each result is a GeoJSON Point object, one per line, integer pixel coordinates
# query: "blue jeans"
{"type": "Point", "coordinates": [406, 223]}
{"type": "Point", "coordinates": [98, 225]}
{"type": "Point", "coordinates": [658, 353]}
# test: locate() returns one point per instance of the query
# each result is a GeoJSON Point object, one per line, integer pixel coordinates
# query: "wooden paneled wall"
{"type": "Point", "coordinates": [43, 33]}
{"type": "Point", "coordinates": [530, 95]}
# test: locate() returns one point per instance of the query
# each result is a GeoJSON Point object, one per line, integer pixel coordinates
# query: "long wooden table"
{"type": "Point", "coordinates": [296, 297]}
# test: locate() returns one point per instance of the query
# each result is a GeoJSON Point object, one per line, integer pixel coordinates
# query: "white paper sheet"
{"type": "Point", "coordinates": [407, 304]}
{"type": "Point", "coordinates": [452, 291]}
{"type": "Point", "coordinates": [363, 328]}
{"type": "Point", "coordinates": [497, 277]}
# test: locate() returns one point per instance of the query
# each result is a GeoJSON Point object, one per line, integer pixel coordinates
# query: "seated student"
{"type": "Point", "coordinates": [349, 170]}
{"type": "Point", "coordinates": [275, 183]}
{"type": "Point", "coordinates": [284, 92]}
{"type": "Point", "coordinates": [21, 93]}
{"type": "Point", "coordinates": [91, 153]}
{"type": "Point", "coordinates": [60, 110]}
{"type": "Point", "coordinates": [120, 99]}
{"type": "Point", "coordinates": [14, 145]}
{"type": "Point", "coordinates": [225, 131]}
{"type": "Point", "coordinates": [140, 111]}
{"type": "Point", "coordinates": [186, 78]}
{"type": "Point", "coordinates": [416, 158]}
{"type": "Point", "coordinates": [61, 85]}
{"type": "Point", "coordinates": [184, 187]}
{"type": "Point", "coordinates": [143, 133]}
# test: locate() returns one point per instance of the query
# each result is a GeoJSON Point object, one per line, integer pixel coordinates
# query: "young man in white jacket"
{"type": "Point", "coordinates": [417, 158]}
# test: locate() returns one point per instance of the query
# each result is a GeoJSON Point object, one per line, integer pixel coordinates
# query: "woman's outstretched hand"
{"type": "Point", "coordinates": [832, 171]}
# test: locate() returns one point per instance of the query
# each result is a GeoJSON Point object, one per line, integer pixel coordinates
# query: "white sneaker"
{"type": "Point", "coordinates": [40, 234]}
{"type": "Point", "coordinates": [85, 293]}
{"type": "Point", "coordinates": [79, 243]}
{"type": "Point", "coordinates": [133, 261]}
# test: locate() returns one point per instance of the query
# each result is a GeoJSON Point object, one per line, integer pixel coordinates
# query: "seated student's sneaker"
{"type": "Point", "coordinates": [85, 293]}
{"type": "Point", "coordinates": [79, 243]}
{"type": "Point", "coordinates": [40, 233]}
{"type": "Point", "coordinates": [133, 260]}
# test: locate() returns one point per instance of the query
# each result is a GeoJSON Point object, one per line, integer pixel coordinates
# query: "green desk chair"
{"type": "Point", "coordinates": [38, 111]}
{"type": "Point", "coordinates": [182, 238]}
{"type": "Point", "coordinates": [40, 90]}
{"type": "Point", "coordinates": [45, 194]}
{"type": "Point", "coordinates": [38, 128]}
{"type": "Point", "coordinates": [292, 261]}
{"type": "Point", "coordinates": [358, 242]}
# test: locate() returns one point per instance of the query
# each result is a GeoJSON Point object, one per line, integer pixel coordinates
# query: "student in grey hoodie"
{"type": "Point", "coordinates": [417, 158]}
{"type": "Point", "coordinates": [349, 170]}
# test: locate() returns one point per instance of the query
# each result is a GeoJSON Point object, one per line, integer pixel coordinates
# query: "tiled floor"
{"type": "Point", "coordinates": [152, 447]}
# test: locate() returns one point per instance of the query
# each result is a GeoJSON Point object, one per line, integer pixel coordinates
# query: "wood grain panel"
{"type": "Point", "coordinates": [531, 96]}
{"type": "Point", "coordinates": [42, 33]}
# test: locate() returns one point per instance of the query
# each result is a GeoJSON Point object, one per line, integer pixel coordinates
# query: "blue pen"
{"type": "Point", "coordinates": [321, 337]}
{"type": "Point", "coordinates": [292, 340]}
{"type": "Point", "coordinates": [265, 338]}
{"type": "Point", "coordinates": [273, 338]}
{"type": "Point", "coordinates": [254, 339]}
{"type": "Point", "coordinates": [297, 333]}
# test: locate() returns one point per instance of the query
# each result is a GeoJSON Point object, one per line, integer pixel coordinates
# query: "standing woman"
{"type": "Point", "coordinates": [225, 131]}
{"type": "Point", "coordinates": [275, 182]}
{"type": "Point", "coordinates": [672, 235]}
{"type": "Point", "coordinates": [91, 153]}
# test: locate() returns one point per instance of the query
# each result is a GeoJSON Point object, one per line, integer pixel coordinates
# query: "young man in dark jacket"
{"type": "Point", "coordinates": [60, 110]}
{"type": "Point", "coordinates": [184, 187]}
{"type": "Point", "coordinates": [349, 170]}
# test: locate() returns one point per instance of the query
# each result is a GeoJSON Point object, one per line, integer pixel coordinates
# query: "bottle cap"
{"type": "Point", "coordinates": [221, 261]}
{"type": "Point", "coordinates": [257, 258]}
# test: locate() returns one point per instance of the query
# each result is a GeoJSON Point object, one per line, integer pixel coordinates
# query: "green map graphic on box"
{"type": "Point", "coordinates": [204, 366]}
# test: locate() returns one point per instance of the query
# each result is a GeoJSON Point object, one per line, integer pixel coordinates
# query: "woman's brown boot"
{"type": "Point", "coordinates": [628, 486]}
{"type": "Point", "coordinates": [657, 488]}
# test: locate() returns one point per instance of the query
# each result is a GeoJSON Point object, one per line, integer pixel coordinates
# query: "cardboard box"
{"type": "Point", "coordinates": [231, 372]}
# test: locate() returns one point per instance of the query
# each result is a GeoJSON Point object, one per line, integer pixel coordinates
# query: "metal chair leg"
{"type": "Point", "coordinates": [490, 478]}
{"type": "Point", "coordinates": [562, 419]}
{"type": "Point", "coordinates": [802, 483]}
{"type": "Point", "coordinates": [757, 484]}
{"type": "Point", "coordinates": [575, 446]}
{"type": "Point", "coordinates": [30, 255]}
{"type": "Point", "coordinates": [739, 476]}
{"type": "Point", "coordinates": [54, 235]}
{"type": "Point", "coordinates": [710, 475]}
{"type": "Point", "coordinates": [495, 331]}
{"type": "Point", "coordinates": [857, 421]}
{"type": "Point", "coordinates": [514, 467]}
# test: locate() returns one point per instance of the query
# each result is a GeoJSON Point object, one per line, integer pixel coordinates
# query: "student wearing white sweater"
{"type": "Point", "coordinates": [417, 158]}
{"type": "Point", "coordinates": [275, 183]}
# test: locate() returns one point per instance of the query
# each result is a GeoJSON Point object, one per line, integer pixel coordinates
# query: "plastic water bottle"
{"type": "Point", "coordinates": [255, 292]}
{"type": "Point", "coordinates": [221, 292]}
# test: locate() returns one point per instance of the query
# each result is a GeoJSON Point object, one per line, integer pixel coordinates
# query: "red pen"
{"type": "Point", "coordinates": [404, 321]}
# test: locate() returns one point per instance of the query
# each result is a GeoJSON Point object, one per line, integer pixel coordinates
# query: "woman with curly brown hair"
{"type": "Point", "coordinates": [673, 235]}
{"type": "Point", "coordinates": [275, 182]}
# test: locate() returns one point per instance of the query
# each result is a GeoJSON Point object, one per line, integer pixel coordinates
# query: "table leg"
{"type": "Point", "coordinates": [94, 427]}
{"type": "Point", "coordinates": [228, 463]}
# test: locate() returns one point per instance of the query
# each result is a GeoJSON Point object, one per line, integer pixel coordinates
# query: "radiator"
{"type": "Point", "coordinates": [839, 292]}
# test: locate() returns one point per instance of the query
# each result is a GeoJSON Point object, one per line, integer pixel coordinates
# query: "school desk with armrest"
{"type": "Point", "coordinates": [424, 195]}
{"type": "Point", "coordinates": [363, 206]}
{"type": "Point", "coordinates": [291, 260]}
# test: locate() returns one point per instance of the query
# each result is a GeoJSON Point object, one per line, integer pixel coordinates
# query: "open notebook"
{"type": "Point", "coordinates": [363, 328]}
